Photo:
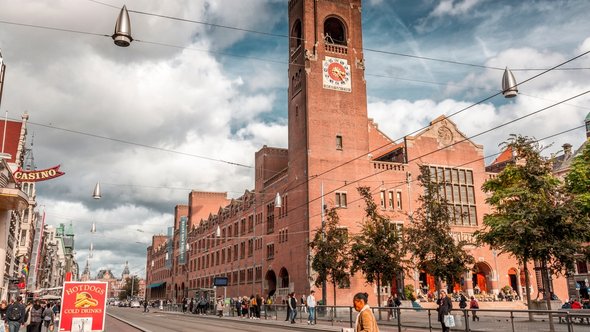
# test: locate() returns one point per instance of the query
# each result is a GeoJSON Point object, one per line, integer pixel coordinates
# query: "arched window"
{"type": "Point", "coordinates": [296, 36]}
{"type": "Point", "coordinates": [334, 32]}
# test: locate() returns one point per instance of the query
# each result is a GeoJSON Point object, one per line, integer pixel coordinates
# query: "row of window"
{"type": "Point", "coordinates": [241, 277]}
{"type": "Point", "coordinates": [391, 200]}
{"type": "Point", "coordinates": [457, 187]}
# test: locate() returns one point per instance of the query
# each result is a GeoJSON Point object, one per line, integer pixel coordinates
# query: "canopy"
{"type": "Point", "coordinates": [157, 284]}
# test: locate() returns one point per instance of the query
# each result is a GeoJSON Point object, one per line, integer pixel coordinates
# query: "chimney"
{"type": "Point", "coordinates": [567, 150]}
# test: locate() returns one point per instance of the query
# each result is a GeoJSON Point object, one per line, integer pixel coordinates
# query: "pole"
{"type": "Point", "coordinates": [132, 285]}
{"type": "Point", "coordinates": [324, 286]}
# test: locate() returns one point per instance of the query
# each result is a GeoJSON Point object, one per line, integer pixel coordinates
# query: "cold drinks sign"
{"type": "Point", "coordinates": [83, 306]}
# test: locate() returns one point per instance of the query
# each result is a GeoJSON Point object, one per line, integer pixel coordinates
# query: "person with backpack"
{"type": "Point", "coordinates": [36, 314]}
{"type": "Point", "coordinates": [48, 319]}
{"type": "Point", "coordinates": [473, 305]}
{"type": "Point", "coordinates": [15, 315]}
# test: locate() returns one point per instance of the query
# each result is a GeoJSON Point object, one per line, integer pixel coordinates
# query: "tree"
{"type": "Point", "coordinates": [577, 186]}
{"type": "Point", "coordinates": [377, 250]}
{"type": "Point", "coordinates": [532, 217]}
{"type": "Point", "coordinates": [130, 289]}
{"type": "Point", "coordinates": [428, 235]}
{"type": "Point", "coordinates": [330, 253]}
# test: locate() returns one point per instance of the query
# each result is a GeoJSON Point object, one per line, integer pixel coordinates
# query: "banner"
{"type": "Point", "coordinates": [83, 306]}
{"type": "Point", "coordinates": [182, 241]}
{"type": "Point", "coordinates": [169, 248]}
{"type": "Point", "coordinates": [36, 176]}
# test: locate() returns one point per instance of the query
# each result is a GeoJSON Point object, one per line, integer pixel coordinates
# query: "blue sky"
{"type": "Point", "coordinates": [188, 98]}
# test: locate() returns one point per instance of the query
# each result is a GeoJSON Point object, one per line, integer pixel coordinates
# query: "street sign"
{"type": "Point", "coordinates": [83, 306]}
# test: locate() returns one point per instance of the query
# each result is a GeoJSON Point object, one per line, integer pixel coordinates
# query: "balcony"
{"type": "Point", "coordinates": [334, 48]}
{"type": "Point", "coordinates": [383, 165]}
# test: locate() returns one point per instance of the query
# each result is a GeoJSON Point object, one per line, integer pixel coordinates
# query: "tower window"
{"type": "Point", "coordinates": [334, 32]}
{"type": "Point", "coordinates": [338, 142]}
{"type": "Point", "coordinates": [296, 34]}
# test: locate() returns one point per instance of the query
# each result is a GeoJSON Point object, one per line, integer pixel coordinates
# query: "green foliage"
{"type": "Point", "coordinates": [428, 237]}
{"type": "Point", "coordinates": [410, 292]}
{"type": "Point", "coordinates": [130, 289]}
{"type": "Point", "coordinates": [577, 186]}
{"type": "Point", "coordinates": [377, 250]}
{"type": "Point", "coordinates": [533, 215]}
{"type": "Point", "coordinates": [330, 253]}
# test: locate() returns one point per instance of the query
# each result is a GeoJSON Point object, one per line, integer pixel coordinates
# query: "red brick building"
{"type": "Point", "coordinates": [333, 147]}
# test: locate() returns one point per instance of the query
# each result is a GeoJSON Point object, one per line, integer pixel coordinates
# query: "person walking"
{"type": "Point", "coordinates": [444, 308]}
{"type": "Point", "coordinates": [15, 315]}
{"type": "Point", "coordinates": [36, 313]}
{"type": "Point", "coordinates": [365, 320]}
{"type": "Point", "coordinates": [293, 308]}
{"type": "Point", "coordinates": [48, 318]}
{"type": "Point", "coordinates": [311, 303]}
{"type": "Point", "coordinates": [473, 305]}
{"type": "Point", "coordinates": [462, 301]}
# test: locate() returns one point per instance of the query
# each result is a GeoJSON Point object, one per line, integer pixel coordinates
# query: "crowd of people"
{"type": "Point", "coordinates": [36, 315]}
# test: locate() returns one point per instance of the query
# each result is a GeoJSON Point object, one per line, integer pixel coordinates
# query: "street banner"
{"type": "Point", "coordinates": [169, 248]}
{"type": "Point", "coordinates": [83, 306]}
{"type": "Point", "coordinates": [182, 246]}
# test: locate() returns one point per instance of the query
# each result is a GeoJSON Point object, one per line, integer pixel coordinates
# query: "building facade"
{"type": "Point", "coordinates": [333, 148]}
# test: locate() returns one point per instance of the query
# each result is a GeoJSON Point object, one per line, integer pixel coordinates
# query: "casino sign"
{"type": "Point", "coordinates": [37, 176]}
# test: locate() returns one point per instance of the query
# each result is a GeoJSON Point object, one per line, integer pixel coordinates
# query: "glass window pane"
{"type": "Point", "coordinates": [469, 177]}
{"type": "Point", "coordinates": [462, 176]}
{"type": "Point", "coordinates": [472, 216]}
{"type": "Point", "coordinates": [447, 175]}
{"type": "Point", "coordinates": [456, 197]}
{"type": "Point", "coordinates": [471, 195]}
{"type": "Point", "coordinates": [463, 194]}
{"type": "Point", "coordinates": [455, 176]}
{"type": "Point", "coordinates": [449, 192]}
{"type": "Point", "coordinates": [465, 215]}
{"type": "Point", "coordinates": [457, 214]}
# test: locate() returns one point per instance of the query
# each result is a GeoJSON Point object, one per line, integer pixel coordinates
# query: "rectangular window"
{"type": "Point", "coordinates": [250, 223]}
{"type": "Point", "coordinates": [382, 196]}
{"type": "Point", "coordinates": [390, 199]}
{"type": "Point", "coordinates": [338, 142]}
{"type": "Point", "coordinates": [399, 200]}
{"type": "Point", "coordinates": [459, 190]}
{"type": "Point", "coordinates": [242, 250]}
{"type": "Point", "coordinates": [250, 247]}
{"type": "Point", "coordinates": [235, 252]}
{"type": "Point", "coordinates": [447, 175]}
{"type": "Point", "coordinates": [341, 200]}
{"type": "Point", "coordinates": [582, 267]}
{"type": "Point", "coordinates": [270, 251]}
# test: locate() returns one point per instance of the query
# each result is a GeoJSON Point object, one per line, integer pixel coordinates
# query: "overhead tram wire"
{"type": "Point", "coordinates": [140, 145]}
{"type": "Point", "coordinates": [312, 177]}
{"type": "Point", "coordinates": [263, 33]}
{"type": "Point", "coordinates": [440, 149]}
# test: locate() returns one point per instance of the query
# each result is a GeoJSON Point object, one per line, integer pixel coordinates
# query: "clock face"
{"type": "Point", "coordinates": [336, 74]}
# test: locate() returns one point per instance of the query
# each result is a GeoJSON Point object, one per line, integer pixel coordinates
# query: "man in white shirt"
{"type": "Point", "coordinates": [311, 303]}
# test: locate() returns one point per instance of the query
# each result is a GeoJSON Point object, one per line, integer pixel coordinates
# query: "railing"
{"type": "Point", "coordinates": [402, 318]}
{"type": "Point", "coordinates": [333, 48]}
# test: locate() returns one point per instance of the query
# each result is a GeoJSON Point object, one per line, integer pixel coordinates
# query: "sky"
{"type": "Point", "coordinates": [186, 106]}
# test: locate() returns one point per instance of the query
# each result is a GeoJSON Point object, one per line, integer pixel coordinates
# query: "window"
{"type": "Point", "coordinates": [457, 187]}
{"type": "Point", "coordinates": [334, 32]}
{"type": "Point", "coordinates": [341, 199]}
{"type": "Point", "coordinates": [296, 34]}
{"type": "Point", "coordinates": [398, 195]}
{"type": "Point", "coordinates": [270, 251]}
{"type": "Point", "coordinates": [270, 218]}
{"type": "Point", "coordinates": [382, 196]}
{"type": "Point", "coordinates": [338, 142]}
{"type": "Point", "coordinates": [250, 223]}
{"type": "Point", "coordinates": [390, 199]}
{"type": "Point", "coordinates": [250, 247]}
{"type": "Point", "coordinates": [397, 227]}
{"type": "Point", "coordinates": [243, 226]}
{"type": "Point", "coordinates": [581, 266]}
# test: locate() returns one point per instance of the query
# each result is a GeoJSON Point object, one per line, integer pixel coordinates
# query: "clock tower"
{"type": "Point", "coordinates": [328, 124]}
{"type": "Point", "coordinates": [327, 91]}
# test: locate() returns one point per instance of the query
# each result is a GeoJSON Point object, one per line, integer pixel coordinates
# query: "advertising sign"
{"type": "Point", "coordinates": [36, 176]}
{"type": "Point", "coordinates": [169, 248]}
{"type": "Point", "coordinates": [83, 306]}
{"type": "Point", "coordinates": [182, 246]}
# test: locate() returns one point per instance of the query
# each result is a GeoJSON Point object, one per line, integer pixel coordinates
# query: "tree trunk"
{"type": "Point", "coordinates": [545, 278]}
{"type": "Point", "coordinates": [334, 293]}
{"type": "Point", "coordinates": [379, 294]}
{"type": "Point", "coordinates": [527, 281]}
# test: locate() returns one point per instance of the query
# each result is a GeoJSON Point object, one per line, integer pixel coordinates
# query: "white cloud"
{"type": "Point", "coordinates": [454, 7]}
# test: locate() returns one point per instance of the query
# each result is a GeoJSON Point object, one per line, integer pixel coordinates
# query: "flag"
{"type": "Point", "coordinates": [25, 271]}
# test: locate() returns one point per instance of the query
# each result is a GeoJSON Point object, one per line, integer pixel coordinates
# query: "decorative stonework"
{"type": "Point", "coordinates": [445, 135]}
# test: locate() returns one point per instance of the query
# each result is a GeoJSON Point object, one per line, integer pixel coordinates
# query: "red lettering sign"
{"type": "Point", "coordinates": [36, 176]}
{"type": "Point", "coordinates": [83, 306]}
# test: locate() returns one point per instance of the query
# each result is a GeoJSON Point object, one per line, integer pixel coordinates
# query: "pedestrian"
{"type": "Point", "coordinates": [15, 315]}
{"type": "Point", "coordinates": [259, 304]}
{"type": "Point", "coordinates": [48, 319]}
{"type": "Point", "coordinates": [145, 306]}
{"type": "Point", "coordinates": [3, 307]}
{"type": "Point", "coordinates": [473, 305]}
{"type": "Point", "coordinates": [245, 309]}
{"type": "Point", "coordinates": [303, 304]}
{"type": "Point", "coordinates": [390, 304]}
{"type": "Point", "coordinates": [288, 303]}
{"type": "Point", "coordinates": [36, 314]}
{"type": "Point", "coordinates": [311, 303]}
{"type": "Point", "coordinates": [238, 304]}
{"type": "Point", "coordinates": [253, 306]}
{"type": "Point", "coordinates": [219, 307]}
{"type": "Point", "coordinates": [292, 308]}
{"type": "Point", "coordinates": [444, 308]}
{"type": "Point", "coordinates": [191, 305]}
{"type": "Point", "coordinates": [365, 320]}
{"type": "Point", "coordinates": [462, 301]}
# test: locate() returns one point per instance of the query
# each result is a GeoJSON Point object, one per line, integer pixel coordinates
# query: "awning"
{"type": "Point", "coordinates": [157, 284]}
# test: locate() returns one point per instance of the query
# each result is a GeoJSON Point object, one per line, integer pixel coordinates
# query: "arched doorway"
{"type": "Point", "coordinates": [481, 275]}
{"type": "Point", "coordinates": [271, 282]}
{"type": "Point", "coordinates": [427, 283]}
{"type": "Point", "coordinates": [284, 278]}
{"type": "Point", "coordinates": [513, 278]}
